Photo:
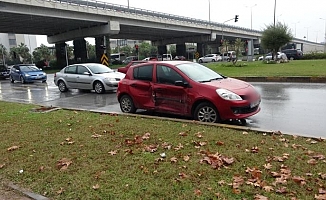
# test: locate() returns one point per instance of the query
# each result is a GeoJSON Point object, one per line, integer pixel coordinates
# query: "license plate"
{"type": "Point", "coordinates": [254, 104]}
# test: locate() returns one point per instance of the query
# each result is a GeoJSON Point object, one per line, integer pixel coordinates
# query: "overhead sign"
{"type": "Point", "coordinates": [104, 60]}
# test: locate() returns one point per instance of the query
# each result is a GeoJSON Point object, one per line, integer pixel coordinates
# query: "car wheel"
{"type": "Point", "coordinates": [22, 80]}
{"type": "Point", "coordinates": [62, 86]}
{"type": "Point", "coordinates": [213, 60]}
{"type": "Point", "coordinates": [291, 58]}
{"type": "Point", "coordinates": [206, 112]}
{"type": "Point", "coordinates": [127, 104]}
{"type": "Point", "coordinates": [11, 79]}
{"type": "Point", "coordinates": [99, 87]}
{"type": "Point", "coordinates": [43, 81]}
{"type": "Point", "coordinates": [200, 61]}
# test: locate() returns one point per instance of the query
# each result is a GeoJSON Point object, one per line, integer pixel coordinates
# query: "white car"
{"type": "Point", "coordinates": [268, 56]}
{"type": "Point", "coordinates": [87, 76]}
{"type": "Point", "coordinates": [210, 58]}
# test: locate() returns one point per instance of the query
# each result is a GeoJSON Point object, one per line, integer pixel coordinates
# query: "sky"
{"type": "Point", "coordinates": [302, 17]}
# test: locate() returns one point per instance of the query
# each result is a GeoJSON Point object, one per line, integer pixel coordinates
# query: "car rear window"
{"type": "Point", "coordinates": [144, 73]}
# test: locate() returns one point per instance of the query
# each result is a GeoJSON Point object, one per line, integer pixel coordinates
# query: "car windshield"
{"type": "Point", "coordinates": [198, 72]}
{"type": "Point", "coordinates": [99, 69]}
{"type": "Point", "coordinates": [28, 68]}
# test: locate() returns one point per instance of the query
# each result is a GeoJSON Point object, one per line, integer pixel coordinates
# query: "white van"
{"type": "Point", "coordinates": [167, 57]}
{"type": "Point", "coordinates": [118, 57]}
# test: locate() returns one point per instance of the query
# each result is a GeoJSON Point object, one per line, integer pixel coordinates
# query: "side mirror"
{"type": "Point", "coordinates": [181, 83]}
{"type": "Point", "coordinates": [87, 73]}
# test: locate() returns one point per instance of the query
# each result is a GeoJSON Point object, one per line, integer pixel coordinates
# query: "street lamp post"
{"type": "Point", "coordinates": [251, 15]}
{"type": "Point", "coordinates": [307, 31]}
{"type": "Point", "coordinates": [209, 11]}
{"type": "Point", "coordinates": [295, 28]}
{"type": "Point", "coordinates": [274, 12]}
{"type": "Point", "coordinates": [325, 34]}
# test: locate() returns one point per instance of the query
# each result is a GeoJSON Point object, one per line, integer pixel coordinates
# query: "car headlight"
{"type": "Point", "coordinates": [44, 74]}
{"type": "Point", "coordinates": [27, 75]}
{"type": "Point", "coordinates": [228, 95]}
{"type": "Point", "coordinates": [109, 79]}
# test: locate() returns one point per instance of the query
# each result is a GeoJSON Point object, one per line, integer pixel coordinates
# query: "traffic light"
{"type": "Point", "coordinates": [136, 47]}
{"type": "Point", "coordinates": [236, 18]}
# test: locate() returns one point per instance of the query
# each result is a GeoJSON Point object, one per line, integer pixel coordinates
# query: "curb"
{"type": "Point", "coordinates": [293, 79]}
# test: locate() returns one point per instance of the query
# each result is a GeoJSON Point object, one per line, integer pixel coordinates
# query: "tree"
{"type": "Point", "coordinates": [42, 53]}
{"type": "Point", "coordinates": [225, 46]}
{"type": "Point", "coordinates": [274, 37]}
{"type": "Point", "coordinates": [91, 54]}
{"type": "Point", "coordinates": [3, 53]}
{"type": "Point", "coordinates": [145, 49]}
{"type": "Point", "coordinates": [239, 46]}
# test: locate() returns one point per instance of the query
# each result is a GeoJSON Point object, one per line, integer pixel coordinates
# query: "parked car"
{"type": "Point", "coordinates": [4, 72]}
{"type": "Point", "coordinates": [27, 73]}
{"type": "Point", "coordinates": [180, 58]}
{"type": "Point", "coordinates": [280, 56]}
{"type": "Point", "coordinates": [125, 68]}
{"type": "Point", "coordinates": [293, 54]}
{"type": "Point", "coordinates": [129, 59]}
{"type": "Point", "coordinates": [87, 76]}
{"type": "Point", "coordinates": [188, 89]}
{"type": "Point", "coordinates": [210, 58]}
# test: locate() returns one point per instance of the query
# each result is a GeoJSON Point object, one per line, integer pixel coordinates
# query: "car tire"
{"type": "Point", "coordinates": [22, 80]}
{"type": "Point", "coordinates": [44, 81]}
{"type": "Point", "coordinates": [11, 79]}
{"type": "Point", "coordinates": [62, 86]}
{"type": "Point", "coordinates": [127, 104]}
{"type": "Point", "coordinates": [206, 112]}
{"type": "Point", "coordinates": [99, 87]}
{"type": "Point", "coordinates": [291, 58]}
{"type": "Point", "coordinates": [200, 61]}
{"type": "Point", "coordinates": [213, 60]}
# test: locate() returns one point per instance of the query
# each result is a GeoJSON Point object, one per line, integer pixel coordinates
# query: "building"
{"type": "Point", "coordinates": [9, 40]}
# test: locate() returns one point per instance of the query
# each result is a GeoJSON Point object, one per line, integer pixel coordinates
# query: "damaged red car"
{"type": "Point", "coordinates": [187, 89]}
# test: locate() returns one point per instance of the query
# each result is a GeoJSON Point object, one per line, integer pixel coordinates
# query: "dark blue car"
{"type": "Point", "coordinates": [27, 73]}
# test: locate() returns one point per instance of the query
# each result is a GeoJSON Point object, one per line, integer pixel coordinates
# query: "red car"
{"type": "Point", "coordinates": [125, 68]}
{"type": "Point", "coordinates": [188, 89]}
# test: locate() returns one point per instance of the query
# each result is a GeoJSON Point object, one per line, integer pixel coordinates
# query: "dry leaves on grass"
{"type": "Point", "coordinates": [216, 160]}
{"type": "Point", "coordinates": [63, 164]}
{"type": "Point", "coordinates": [12, 148]}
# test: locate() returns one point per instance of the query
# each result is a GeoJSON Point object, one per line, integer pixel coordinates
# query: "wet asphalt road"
{"type": "Point", "coordinates": [294, 108]}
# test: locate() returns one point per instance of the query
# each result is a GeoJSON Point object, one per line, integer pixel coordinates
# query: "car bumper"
{"type": "Point", "coordinates": [35, 78]}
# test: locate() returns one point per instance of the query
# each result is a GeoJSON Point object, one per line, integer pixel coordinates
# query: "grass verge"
{"type": "Point", "coordinates": [82, 155]}
{"type": "Point", "coordinates": [314, 68]}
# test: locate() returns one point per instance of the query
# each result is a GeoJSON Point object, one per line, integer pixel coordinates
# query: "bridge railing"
{"type": "Point", "coordinates": [140, 11]}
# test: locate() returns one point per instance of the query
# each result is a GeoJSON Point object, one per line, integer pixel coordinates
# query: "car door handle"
{"type": "Point", "coordinates": [159, 89]}
{"type": "Point", "coordinates": [133, 85]}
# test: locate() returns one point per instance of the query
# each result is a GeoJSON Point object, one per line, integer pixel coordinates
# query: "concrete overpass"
{"type": "Point", "coordinates": [65, 20]}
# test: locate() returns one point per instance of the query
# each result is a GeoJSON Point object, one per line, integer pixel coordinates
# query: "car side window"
{"type": "Point", "coordinates": [167, 75]}
{"type": "Point", "coordinates": [144, 73]}
{"type": "Point", "coordinates": [81, 70]}
{"type": "Point", "coordinates": [71, 70]}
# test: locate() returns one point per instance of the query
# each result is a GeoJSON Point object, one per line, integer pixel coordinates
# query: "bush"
{"type": "Point", "coordinates": [314, 56]}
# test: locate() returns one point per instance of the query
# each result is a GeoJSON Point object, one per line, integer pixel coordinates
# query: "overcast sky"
{"type": "Point", "coordinates": [301, 16]}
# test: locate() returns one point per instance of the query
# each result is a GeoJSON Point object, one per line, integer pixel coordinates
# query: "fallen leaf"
{"type": "Point", "coordinates": [63, 163]}
{"type": "Point", "coordinates": [219, 143]}
{"type": "Point", "coordinates": [320, 197]}
{"type": "Point", "coordinates": [260, 197]}
{"type": "Point", "coordinates": [96, 135]}
{"type": "Point", "coordinates": [60, 191]}
{"type": "Point", "coordinates": [312, 161]}
{"type": "Point", "coordinates": [13, 148]}
{"type": "Point", "coordinates": [2, 165]}
{"type": "Point", "coordinates": [186, 158]}
{"type": "Point", "coordinates": [174, 160]}
{"type": "Point", "coordinates": [268, 166]}
{"type": "Point", "coordinates": [199, 135]}
{"type": "Point", "coordinates": [197, 192]}
{"type": "Point", "coordinates": [95, 187]}
{"type": "Point", "coordinates": [146, 136]}
{"type": "Point", "coordinates": [245, 133]}
{"type": "Point", "coordinates": [112, 153]}
{"type": "Point", "coordinates": [268, 188]}
{"type": "Point", "coordinates": [183, 134]}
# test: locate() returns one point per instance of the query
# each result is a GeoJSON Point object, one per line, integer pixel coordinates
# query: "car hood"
{"type": "Point", "coordinates": [33, 72]}
{"type": "Point", "coordinates": [229, 84]}
{"type": "Point", "coordinates": [112, 75]}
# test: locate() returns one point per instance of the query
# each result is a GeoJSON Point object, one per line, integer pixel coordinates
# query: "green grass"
{"type": "Point", "coordinates": [312, 68]}
{"type": "Point", "coordinates": [108, 159]}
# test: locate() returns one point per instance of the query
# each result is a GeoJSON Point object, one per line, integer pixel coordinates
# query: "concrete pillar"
{"type": "Point", "coordinates": [60, 52]}
{"type": "Point", "coordinates": [80, 51]}
{"type": "Point", "coordinates": [200, 49]}
{"type": "Point", "coordinates": [99, 50]}
{"type": "Point", "coordinates": [162, 49]}
{"type": "Point", "coordinates": [181, 50]}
